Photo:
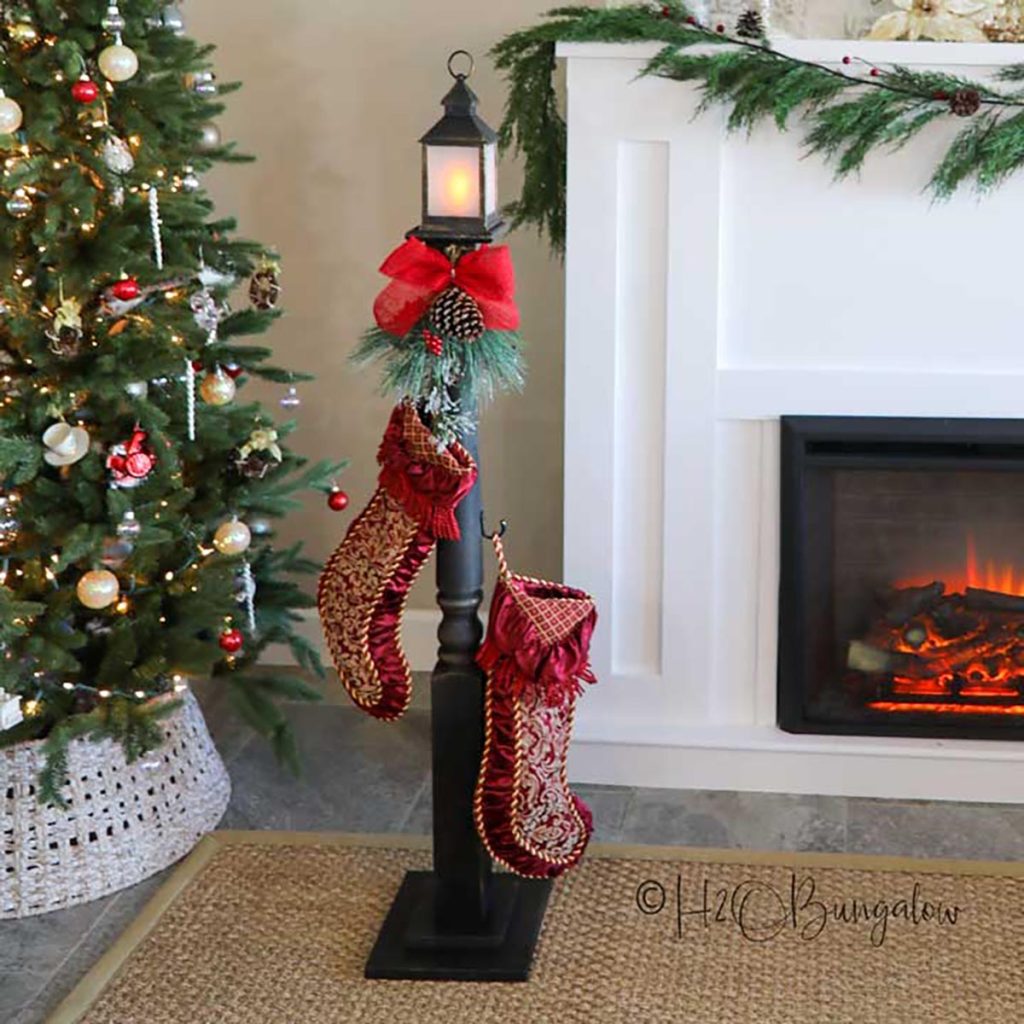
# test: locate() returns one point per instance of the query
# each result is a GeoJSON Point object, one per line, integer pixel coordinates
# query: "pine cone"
{"type": "Point", "coordinates": [750, 25]}
{"type": "Point", "coordinates": [965, 102]}
{"type": "Point", "coordinates": [455, 314]}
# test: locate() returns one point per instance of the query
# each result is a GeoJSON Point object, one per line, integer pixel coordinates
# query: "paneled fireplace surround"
{"type": "Point", "coordinates": [716, 287]}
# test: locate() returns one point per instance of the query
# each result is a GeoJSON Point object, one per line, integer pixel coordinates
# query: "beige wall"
{"type": "Point", "coordinates": [336, 95]}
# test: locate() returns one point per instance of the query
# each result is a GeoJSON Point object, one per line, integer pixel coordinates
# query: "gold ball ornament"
{"type": "Point", "coordinates": [232, 538]}
{"type": "Point", "coordinates": [11, 115]}
{"type": "Point", "coordinates": [217, 389]}
{"type": "Point", "coordinates": [24, 33]}
{"type": "Point", "coordinates": [118, 63]}
{"type": "Point", "coordinates": [98, 589]}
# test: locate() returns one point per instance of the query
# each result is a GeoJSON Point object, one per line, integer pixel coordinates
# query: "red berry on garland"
{"type": "Point", "coordinates": [231, 641]}
{"type": "Point", "coordinates": [126, 289]}
{"type": "Point", "coordinates": [720, 29]}
{"type": "Point", "coordinates": [85, 90]}
{"type": "Point", "coordinates": [875, 72]}
{"type": "Point", "coordinates": [337, 500]}
{"type": "Point", "coordinates": [666, 11]}
{"type": "Point", "coordinates": [847, 60]}
{"type": "Point", "coordinates": [691, 20]}
{"type": "Point", "coordinates": [435, 346]}
{"type": "Point", "coordinates": [233, 370]}
{"type": "Point", "coordinates": [941, 96]}
{"type": "Point", "coordinates": [197, 365]}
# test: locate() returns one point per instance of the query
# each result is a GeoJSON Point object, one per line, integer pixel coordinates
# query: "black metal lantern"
{"type": "Point", "coordinates": [460, 170]}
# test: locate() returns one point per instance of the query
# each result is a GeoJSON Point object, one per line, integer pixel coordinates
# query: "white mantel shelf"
{"type": "Point", "coordinates": [716, 282]}
{"type": "Point", "coordinates": [832, 51]}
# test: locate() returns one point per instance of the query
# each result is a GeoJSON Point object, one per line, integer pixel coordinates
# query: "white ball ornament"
{"type": "Point", "coordinates": [98, 589]}
{"type": "Point", "coordinates": [217, 389]}
{"type": "Point", "coordinates": [118, 63]}
{"type": "Point", "coordinates": [10, 115]}
{"type": "Point", "coordinates": [232, 538]}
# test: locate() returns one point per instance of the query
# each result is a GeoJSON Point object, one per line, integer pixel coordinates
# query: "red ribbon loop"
{"type": "Point", "coordinates": [419, 274]}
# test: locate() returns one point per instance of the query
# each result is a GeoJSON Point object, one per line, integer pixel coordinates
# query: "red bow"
{"type": "Point", "coordinates": [131, 461]}
{"type": "Point", "coordinates": [420, 274]}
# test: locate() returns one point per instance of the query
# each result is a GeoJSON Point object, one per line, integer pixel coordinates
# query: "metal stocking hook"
{"type": "Point", "coordinates": [503, 527]}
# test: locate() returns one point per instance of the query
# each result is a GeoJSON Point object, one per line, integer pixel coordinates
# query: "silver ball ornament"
{"type": "Point", "coordinates": [116, 551]}
{"type": "Point", "coordinates": [98, 589]}
{"type": "Point", "coordinates": [232, 538]}
{"type": "Point", "coordinates": [113, 21]}
{"type": "Point", "coordinates": [20, 205]}
{"type": "Point", "coordinates": [210, 138]}
{"type": "Point", "coordinates": [11, 115]}
{"type": "Point", "coordinates": [291, 400]}
{"type": "Point", "coordinates": [118, 63]}
{"type": "Point", "coordinates": [137, 389]}
{"type": "Point", "coordinates": [129, 528]}
{"type": "Point", "coordinates": [169, 18]}
{"type": "Point", "coordinates": [261, 527]}
{"type": "Point", "coordinates": [190, 181]}
{"type": "Point", "coordinates": [118, 156]}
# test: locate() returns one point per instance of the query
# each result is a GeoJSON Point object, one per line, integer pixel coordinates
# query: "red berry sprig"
{"type": "Point", "coordinates": [435, 346]}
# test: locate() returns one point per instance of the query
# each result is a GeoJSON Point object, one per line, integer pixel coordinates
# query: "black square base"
{"type": "Point", "coordinates": [409, 948]}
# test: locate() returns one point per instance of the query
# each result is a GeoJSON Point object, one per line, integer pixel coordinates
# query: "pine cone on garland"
{"type": "Point", "coordinates": [455, 314]}
{"type": "Point", "coordinates": [965, 102]}
{"type": "Point", "coordinates": [750, 24]}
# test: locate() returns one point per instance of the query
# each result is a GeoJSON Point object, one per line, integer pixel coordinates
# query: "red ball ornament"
{"type": "Point", "coordinates": [337, 500]}
{"type": "Point", "coordinates": [85, 90]}
{"type": "Point", "coordinates": [231, 641]}
{"type": "Point", "coordinates": [126, 289]}
{"type": "Point", "coordinates": [197, 365]}
{"type": "Point", "coordinates": [233, 370]}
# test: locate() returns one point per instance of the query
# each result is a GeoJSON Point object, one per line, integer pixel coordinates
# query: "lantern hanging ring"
{"type": "Point", "coordinates": [461, 75]}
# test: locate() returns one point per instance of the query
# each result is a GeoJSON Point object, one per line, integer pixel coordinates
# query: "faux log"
{"type": "Point", "coordinates": [903, 604]}
{"type": "Point", "coordinates": [993, 601]}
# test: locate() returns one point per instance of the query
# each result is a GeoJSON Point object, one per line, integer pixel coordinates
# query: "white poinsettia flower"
{"type": "Point", "coordinates": [957, 21]}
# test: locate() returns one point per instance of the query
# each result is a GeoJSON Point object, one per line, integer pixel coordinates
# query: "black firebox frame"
{"type": "Point", "coordinates": [812, 443]}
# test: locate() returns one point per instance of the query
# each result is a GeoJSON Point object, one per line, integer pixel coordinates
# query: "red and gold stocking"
{"type": "Point", "coordinates": [364, 586]}
{"type": "Point", "coordinates": [536, 656]}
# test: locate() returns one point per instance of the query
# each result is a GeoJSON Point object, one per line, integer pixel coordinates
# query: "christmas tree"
{"type": "Point", "coordinates": [136, 485]}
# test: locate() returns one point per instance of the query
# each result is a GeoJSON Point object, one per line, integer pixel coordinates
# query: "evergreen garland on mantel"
{"type": "Point", "coordinates": [848, 111]}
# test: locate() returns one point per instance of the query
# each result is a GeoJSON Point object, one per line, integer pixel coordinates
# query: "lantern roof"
{"type": "Point", "coordinates": [461, 125]}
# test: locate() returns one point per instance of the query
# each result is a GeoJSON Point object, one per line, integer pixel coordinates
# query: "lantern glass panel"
{"type": "Point", "coordinates": [453, 181]}
{"type": "Point", "coordinates": [490, 179]}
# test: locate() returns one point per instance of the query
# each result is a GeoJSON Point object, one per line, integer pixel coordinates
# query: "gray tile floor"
{"type": "Point", "coordinates": [362, 775]}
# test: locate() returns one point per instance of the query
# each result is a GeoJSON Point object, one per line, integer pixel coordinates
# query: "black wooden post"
{"type": "Point", "coordinates": [461, 921]}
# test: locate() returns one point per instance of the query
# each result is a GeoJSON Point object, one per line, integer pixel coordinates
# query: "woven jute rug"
{"type": "Point", "coordinates": [273, 929]}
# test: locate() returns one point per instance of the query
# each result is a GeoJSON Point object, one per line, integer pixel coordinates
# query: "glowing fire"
{"type": "Point", "coordinates": [1003, 578]}
{"type": "Point", "coordinates": [957, 652]}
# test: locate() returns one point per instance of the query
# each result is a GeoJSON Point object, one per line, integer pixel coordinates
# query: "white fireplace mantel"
{"type": "Point", "coordinates": [714, 284]}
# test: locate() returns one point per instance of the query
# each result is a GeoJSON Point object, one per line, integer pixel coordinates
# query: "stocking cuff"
{"type": "Point", "coordinates": [427, 483]}
{"type": "Point", "coordinates": [544, 630]}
